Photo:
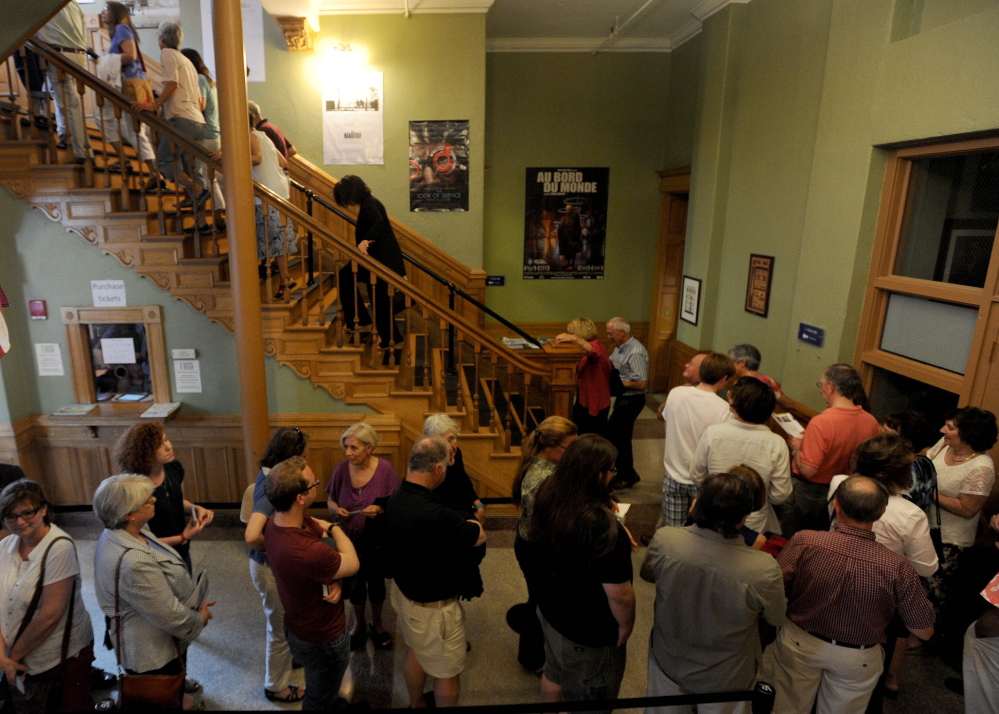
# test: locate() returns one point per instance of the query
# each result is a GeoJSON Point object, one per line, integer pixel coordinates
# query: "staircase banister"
{"type": "Point", "coordinates": [429, 271]}
{"type": "Point", "coordinates": [108, 92]}
{"type": "Point", "coordinates": [321, 184]}
{"type": "Point", "coordinates": [162, 127]}
{"type": "Point", "coordinates": [398, 282]}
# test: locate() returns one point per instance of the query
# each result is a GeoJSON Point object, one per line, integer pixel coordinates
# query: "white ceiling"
{"type": "Point", "coordinates": [553, 25]}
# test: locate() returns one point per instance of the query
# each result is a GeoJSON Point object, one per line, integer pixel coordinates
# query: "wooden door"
{"type": "Point", "coordinates": [674, 189]}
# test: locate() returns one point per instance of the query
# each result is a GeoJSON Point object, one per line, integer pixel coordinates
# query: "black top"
{"type": "Point", "coordinates": [169, 519]}
{"type": "Point", "coordinates": [373, 225]}
{"type": "Point", "coordinates": [9, 473]}
{"type": "Point", "coordinates": [456, 491]}
{"type": "Point", "coordinates": [425, 539]}
{"type": "Point", "coordinates": [571, 594]}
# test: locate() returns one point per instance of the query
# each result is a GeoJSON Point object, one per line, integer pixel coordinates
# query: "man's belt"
{"type": "Point", "coordinates": [839, 643]}
{"type": "Point", "coordinates": [67, 49]}
{"type": "Point", "coordinates": [437, 604]}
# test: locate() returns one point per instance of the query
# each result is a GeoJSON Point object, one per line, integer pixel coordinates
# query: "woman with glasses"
{"type": "Point", "coordinates": [540, 452]}
{"type": "Point", "coordinates": [278, 674]}
{"type": "Point", "coordinates": [357, 493]}
{"type": "Point", "coordinates": [52, 642]}
{"type": "Point", "coordinates": [584, 575]}
{"type": "Point", "coordinates": [144, 582]}
{"type": "Point", "coordinates": [145, 449]}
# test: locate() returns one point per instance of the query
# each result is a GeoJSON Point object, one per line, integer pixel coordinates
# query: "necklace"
{"type": "Point", "coordinates": [954, 456]}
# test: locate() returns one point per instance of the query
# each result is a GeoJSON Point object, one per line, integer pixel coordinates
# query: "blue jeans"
{"type": "Point", "coordinates": [325, 664]}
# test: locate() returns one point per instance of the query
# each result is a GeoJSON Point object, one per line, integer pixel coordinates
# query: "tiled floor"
{"type": "Point", "coordinates": [228, 657]}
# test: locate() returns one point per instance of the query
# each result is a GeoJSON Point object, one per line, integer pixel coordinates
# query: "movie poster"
{"type": "Point", "coordinates": [352, 119]}
{"type": "Point", "coordinates": [438, 165]}
{"type": "Point", "coordinates": [566, 223]}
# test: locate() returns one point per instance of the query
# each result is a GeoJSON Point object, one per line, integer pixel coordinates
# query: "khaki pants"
{"type": "Point", "coordinates": [805, 667]}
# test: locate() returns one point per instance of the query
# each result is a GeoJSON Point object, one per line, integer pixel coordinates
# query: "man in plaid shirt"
{"type": "Point", "coordinates": [842, 588]}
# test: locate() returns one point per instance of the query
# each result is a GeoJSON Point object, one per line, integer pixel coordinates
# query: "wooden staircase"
{"type": "Point", "coordinates": [495, 394]}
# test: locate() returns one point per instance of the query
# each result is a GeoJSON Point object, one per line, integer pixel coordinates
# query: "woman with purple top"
{"type": "Point", "coordinates": [357, 493]}
{"type": "Point", "coordinates": [134, 85]}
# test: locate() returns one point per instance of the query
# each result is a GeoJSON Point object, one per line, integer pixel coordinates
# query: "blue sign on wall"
{"type": "Point", "coordinates": [810, 334]}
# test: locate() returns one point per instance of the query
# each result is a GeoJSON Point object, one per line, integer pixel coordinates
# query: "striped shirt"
{"type": "Point", "coordinates": [844, 585]}
{"type": "Point", "coordinates": [632, 362]}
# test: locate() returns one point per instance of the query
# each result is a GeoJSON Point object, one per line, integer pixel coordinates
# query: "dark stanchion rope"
{"type": "Point", "coordinates": [762, 703]}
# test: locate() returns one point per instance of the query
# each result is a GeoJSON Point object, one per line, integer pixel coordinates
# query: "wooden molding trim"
{"type": "Point", "coordinates": [298, 33]}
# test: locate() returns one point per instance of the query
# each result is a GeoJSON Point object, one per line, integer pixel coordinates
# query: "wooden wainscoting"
{"type": "Point", "coordinates": [70, 458]}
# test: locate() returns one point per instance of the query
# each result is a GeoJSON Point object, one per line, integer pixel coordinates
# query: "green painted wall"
{"type": "Point", "coordinates": [434, 68]}
{"type": "Point", "coordinates": [794, 99]}
{"type": "Point", "coordinates": [681, 107]}
{"type": "Point", "coordinates": [553, 109]}
{"type": "Point", "coordinates": [28, 243]}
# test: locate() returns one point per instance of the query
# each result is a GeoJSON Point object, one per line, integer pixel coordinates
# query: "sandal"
{"type": "Point", "coordinates": [279, 295]}
{"type": "Point", "coordinates": [294, 695]}
{"type": "Point", "coordinates": [381, 640]}
{"type": "Point", "coordinates": [152, 184]}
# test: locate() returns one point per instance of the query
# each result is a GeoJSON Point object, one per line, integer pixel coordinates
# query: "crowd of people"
{"type": "Point", "coordinates": [818, 592]}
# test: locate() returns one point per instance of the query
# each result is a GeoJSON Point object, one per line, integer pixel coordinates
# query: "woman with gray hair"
{"type": "Point", "coordinates": [180, 99]}
{"type": "Point", "coordinates": [152, 588]}
{"type": "Point", "coordinates": [457, 493]}
{"type": "Point", "coordinates": [357, 494]}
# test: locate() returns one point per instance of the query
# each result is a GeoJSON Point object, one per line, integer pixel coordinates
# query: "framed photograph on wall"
{"type": "Point", "coordinates": [761, 273]}
{"type": "Point", "coordinates": [690, 300]}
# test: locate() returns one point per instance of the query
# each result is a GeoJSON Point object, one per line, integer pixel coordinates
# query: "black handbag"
{"type": "Point", "coordinates": [616, 385]}
{"type": "Point", "coordinates": [936, 535]}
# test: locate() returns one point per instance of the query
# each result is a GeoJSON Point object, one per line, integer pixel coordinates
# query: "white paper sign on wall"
{"type": "Point", "coordinates": [49, 359]}
{"type": "Point", "coordinates": [187, 376]}
{"type": "Point", "coordinates": [108, 293]}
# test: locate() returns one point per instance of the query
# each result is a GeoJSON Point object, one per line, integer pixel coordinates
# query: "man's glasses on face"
{"type": "Point", "coordinates": [309, 488]}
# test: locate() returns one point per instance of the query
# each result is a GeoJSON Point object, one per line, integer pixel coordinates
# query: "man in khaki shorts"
{"type": "Point", "coordinates": [427, 540]}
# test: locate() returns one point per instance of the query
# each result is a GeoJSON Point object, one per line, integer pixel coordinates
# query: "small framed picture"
{"type": "Point", "coordinates": [761, 273]}
{"type": "Point", "coordinates": [690, 300]}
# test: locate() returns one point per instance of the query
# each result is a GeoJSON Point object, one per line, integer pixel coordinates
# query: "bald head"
{"type": "Point", "coordinates": [861, 500]}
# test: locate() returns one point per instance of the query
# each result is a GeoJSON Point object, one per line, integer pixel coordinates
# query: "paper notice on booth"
{"type": "Point", "coordinates": [49, 359]}
{"type": "Point", "coordinates": [187, 376]}
{"type": "Point", "coordinates": [789, 424]}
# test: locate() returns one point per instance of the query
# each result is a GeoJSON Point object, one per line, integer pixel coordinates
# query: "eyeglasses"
{"type": "Point", "coordinates": [612, 470]}
{"type": "Point", "coordinates": [309, 488]}
{"type": "Point", "coordinates": [23, 515]}
{"type": "Point", "coordinates": [820, 385]}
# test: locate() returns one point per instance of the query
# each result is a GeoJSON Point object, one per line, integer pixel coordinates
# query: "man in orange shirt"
{"type": "Point", "coordinates": [826, 448]}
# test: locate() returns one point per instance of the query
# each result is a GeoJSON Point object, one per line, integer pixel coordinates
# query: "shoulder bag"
{"type": "Point", "coordinates": [144, 691]}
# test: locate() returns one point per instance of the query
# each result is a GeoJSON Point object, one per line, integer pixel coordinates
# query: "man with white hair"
{"type": "Point", "coordinates": [631, 360]}
{"type": "Point", "coordinates": [426, 539]}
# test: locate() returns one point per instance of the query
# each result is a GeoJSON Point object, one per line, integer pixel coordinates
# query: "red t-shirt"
{"type": "Point", "coordinates": [302, 564]}
{"type": "Point", "coordinates": [832, 437]}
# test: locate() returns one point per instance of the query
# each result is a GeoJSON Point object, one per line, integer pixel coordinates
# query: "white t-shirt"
{"type": "Point", "coordinates": [688, 412]}
{"type": "Point", "coordinates": [903, 529]}
{"type": "Point", "coordinates": [974, 477]}
{"type": "Point", "coordinates": [734, 442]}
{"type": "Point", "coordinates": [269, 172]}
{"type": "Point", "coordinates": [18, 580]}
{"type": "Point", "coordinates": [185, 102]}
